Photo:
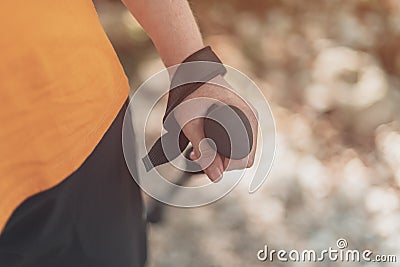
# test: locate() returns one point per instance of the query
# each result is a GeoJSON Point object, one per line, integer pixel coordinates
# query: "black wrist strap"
{"type": "Point", "coordinates": [185, 81]}
{"type": "Point", "coordinates": [188, 78]}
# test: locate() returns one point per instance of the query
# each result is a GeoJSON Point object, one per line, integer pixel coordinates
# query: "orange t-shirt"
{"type": "Point", "coordinates": [61, 86]}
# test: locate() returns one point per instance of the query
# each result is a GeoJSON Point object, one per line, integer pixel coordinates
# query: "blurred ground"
{"type": "Point", "coordinates": [330, 70]}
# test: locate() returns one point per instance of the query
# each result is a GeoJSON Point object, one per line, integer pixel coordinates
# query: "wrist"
{"type": "Point", "coordinates": [171, 58]}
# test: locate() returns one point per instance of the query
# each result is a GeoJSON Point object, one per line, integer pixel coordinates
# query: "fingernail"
{"type": "Point", "coordinates": [215, 174]}
{"type": "Point", "coordinates": [192, 156]}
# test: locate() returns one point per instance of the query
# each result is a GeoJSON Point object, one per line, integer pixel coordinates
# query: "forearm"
{"type": "Point", "coordinates": [171, 25]}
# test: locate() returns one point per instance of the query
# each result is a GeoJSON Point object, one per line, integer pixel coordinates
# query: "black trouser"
{"type": "Point", "coordinates": [93, 218]}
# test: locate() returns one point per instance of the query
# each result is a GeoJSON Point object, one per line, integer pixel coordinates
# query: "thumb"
{"type": "Point", "coordinates": [204, 155]}
{"type": "Point", "coordinates": [210, 161]}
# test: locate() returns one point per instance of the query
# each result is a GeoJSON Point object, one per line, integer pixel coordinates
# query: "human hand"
{"type": "Point", "coordinates": [190, 116]}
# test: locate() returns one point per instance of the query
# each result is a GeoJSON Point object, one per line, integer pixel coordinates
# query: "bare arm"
{"type": "Point", "coordinates": [173, 29]}
{"type": "Point", "coordinates": [171, 25]}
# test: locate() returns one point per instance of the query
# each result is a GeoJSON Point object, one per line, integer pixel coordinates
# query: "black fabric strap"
{"type": "Point", "coordinates": [185, 81]}
{"type": "Point", "coordinates": [196, 75]}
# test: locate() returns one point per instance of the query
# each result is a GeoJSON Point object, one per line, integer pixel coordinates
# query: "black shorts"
{"type": "Point", "coordinates": [93, 218]}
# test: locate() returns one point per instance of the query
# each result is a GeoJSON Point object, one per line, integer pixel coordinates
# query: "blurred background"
{"type": "Point", "coordinates": [330, 70]}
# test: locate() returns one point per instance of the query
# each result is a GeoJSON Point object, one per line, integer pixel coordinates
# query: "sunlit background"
{"type": "Point", "coordinates": [330, 70]}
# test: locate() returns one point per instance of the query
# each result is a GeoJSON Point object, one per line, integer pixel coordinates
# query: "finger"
{"type": "Point", "coordinates": [192, 156]}
{"type": "Point", "coordinates": [203, 154]}
{"type": "Point", "coordinates": [210, 161]}
{"type": "Point", "coordinates": [253, 118]}
{"type": "Point", "coordinates": [194, 131]}
{"type": "Point", "coordinates": [214, 171]}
